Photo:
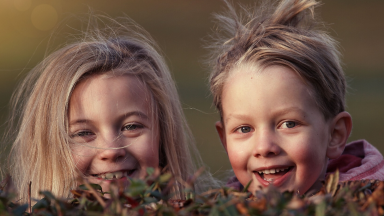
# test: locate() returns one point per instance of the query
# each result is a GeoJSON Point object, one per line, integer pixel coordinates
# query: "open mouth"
{"type": "Point", "coordinates": [114, 175]}
{"type": "Point", "coordinates": [272, 176]}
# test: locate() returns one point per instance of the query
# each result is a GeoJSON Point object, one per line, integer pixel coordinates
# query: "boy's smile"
{"type": "Point", "coordinates": [273, 131]}
{"type": "Point", "coordinates": [275, 176]}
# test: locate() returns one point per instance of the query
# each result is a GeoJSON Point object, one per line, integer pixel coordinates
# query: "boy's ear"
{"type": "Point", "coordinates": [221, 131]}
{"type": "Point", "coordinates": [341, 127]}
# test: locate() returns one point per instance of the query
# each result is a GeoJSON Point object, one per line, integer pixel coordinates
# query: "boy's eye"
{"type": "Point", "coordinates": [131, 127]}
{"type": "Point", "coordinates": [289, 124]}
{"type": "Point", "coordinates": [244, 129]}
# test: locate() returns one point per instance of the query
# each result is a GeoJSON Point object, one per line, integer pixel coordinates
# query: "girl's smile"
{"type": "Point", "coordinates": [113, 130]}
{"type": "Point", "coordinates": [114, 175]}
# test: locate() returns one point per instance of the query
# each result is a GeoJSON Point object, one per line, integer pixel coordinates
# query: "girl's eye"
{"type": "Point", "coordinates": [131, 127]}
{"type": "Point", "coordinates": [244, 129]}
{"type": "Point", "coordinates": [289, 124]}
{"type": "Point", "coordinates": [82, 134]}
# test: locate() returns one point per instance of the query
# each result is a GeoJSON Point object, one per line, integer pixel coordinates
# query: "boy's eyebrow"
{"type": "Point", "coordinates": [125, 115]}
{"type": "Point", "coordinates": [276, 113]}
{"type": "Point", "coordinates": [237, 116]}
{"type": "Point", "coordinates": [288, 110]}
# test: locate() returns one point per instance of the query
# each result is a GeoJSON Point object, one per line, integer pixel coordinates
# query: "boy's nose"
{"type": "Point", "coordinates": [112, 150]}
{"type": "Point", "coordinates": [265, 145]}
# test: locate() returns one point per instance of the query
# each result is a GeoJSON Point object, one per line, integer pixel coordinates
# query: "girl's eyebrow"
{"type": "Point", "coordinates": [125, 115]}
{"type": "Point", "coordinates": [136, 113]}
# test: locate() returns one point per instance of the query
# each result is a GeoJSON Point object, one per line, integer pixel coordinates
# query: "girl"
{"type": "Point", "coordinates": [102, 108]}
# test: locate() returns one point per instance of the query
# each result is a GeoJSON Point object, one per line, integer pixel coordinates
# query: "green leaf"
{"type": "Point", "coordinates": [320, 208]}
{"type": "Point", "coordinates": [137, 187]}
{"type": "Point", "coordinates": [94, 186]}
{"type": "Point", "coordinates": [20, 210]}
{"type": "Point", "coordinates": [247, 186]}
{"type": "Point", "coordinates": [156, 194]}
{"type": "Point", "coordinates": [165, 177]}
{"type": "Point", "coordinates": [48, 195]}
{"type": "Point", "coordinates": [150, 200]}
{"type": "Point", "coordinates": [150, 170]}
{"type": "Point", "coordinates": [41, 204]}
{"type": "Point", "coordinates": [352, 209]}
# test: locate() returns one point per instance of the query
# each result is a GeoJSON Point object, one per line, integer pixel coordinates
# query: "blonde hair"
{"type": "Point", "coordinates": [279, 33]}
{"type": "Point", "coordinates": [41, 153]}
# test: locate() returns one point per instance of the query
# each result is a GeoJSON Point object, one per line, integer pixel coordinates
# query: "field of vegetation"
{"type": "Point", "coordinates": [151, 197]}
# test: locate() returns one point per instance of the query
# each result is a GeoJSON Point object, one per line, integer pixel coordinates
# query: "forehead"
{"type": "Point", "coordinates": [105, 84]}
{"type": "Point", "coordinates": [269, 89]}
{"type": "Point", "coordinates": [107, 93]}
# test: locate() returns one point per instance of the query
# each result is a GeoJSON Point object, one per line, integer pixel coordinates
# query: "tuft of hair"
{"type": "Point", "coordinates": [286, 33]}
{"type": "Point", "coordinates": [38, 130]}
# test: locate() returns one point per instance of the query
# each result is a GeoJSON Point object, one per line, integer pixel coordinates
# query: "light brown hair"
{"type": "Point", "coordinates": [41, 152]}
{"type": "Point", "coordinates": [279, 33]}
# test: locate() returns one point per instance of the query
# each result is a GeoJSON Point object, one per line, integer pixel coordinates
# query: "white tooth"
{"type": "Point", "coordinates": [266, 171]}
{"type": "Point", "coordinates": [272, 171]}
{"type": "Point", "coordinates": [109, 175]}
{"type": "Point", "coordinates": [277, 170]}
{"type": "Point", "coordinates": [119, 175]}
{"type": "Point", "coordinates": [103, 176]}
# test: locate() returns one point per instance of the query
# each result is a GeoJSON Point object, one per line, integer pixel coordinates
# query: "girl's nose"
{"type": "Point", "coordinates": [112, 150]}
{"type": "Point", "coordinates": [265, 145]}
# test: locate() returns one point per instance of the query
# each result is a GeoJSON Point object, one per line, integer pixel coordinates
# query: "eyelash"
{"type": "Point", "coordinates": [82, 134]}
{"type": "Point", "coordinates": [128, 127]}
{"type": "Point", "coordinates": [285, 122]}
{"type": "Point", "coordinates": [239, 129]}
{"type": "Point", "coordinates": [132, 127]}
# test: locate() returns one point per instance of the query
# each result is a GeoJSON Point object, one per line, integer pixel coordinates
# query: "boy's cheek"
{"type": "Point", "coordinates": [240, 168]}
{"type": "Point", "coordinates": [237, 156]}
{"type": "Point", "coordinates": [239, 162]}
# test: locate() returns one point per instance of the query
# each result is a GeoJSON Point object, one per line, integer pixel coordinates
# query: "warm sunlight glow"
{"type": "Point", "coordinates": [22, 5]}
{"type": "Point", "coordinates": [44, 17]}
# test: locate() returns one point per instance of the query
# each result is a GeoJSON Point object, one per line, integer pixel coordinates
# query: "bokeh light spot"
{"type": "Point", "coordinates": [22, 5]}
{"type": "Point", "coordinates": [44, 17]}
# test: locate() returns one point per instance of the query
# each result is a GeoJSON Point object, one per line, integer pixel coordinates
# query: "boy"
{"type": "Point", "coordinates": [280, 91]}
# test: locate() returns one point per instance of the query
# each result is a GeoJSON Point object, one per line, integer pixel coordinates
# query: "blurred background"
{"type": "Point", "coordinates": [179, 27]}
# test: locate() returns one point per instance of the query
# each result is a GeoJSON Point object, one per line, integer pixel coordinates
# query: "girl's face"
{"type": "Point", "coordinates": [273, 130]}
{"type": "Point", "coordinates": [113, 130]}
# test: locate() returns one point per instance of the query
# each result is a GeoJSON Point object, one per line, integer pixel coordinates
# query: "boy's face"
{"type": "Point", "coordinates": [273, 131]}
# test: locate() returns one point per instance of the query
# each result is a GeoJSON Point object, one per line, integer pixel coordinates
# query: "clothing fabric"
{"type": "Point", "coordinates": [360, 160]}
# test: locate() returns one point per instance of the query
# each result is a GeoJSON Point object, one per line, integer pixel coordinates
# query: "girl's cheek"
{"type": "Point", "coordinates": [82, 162]}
